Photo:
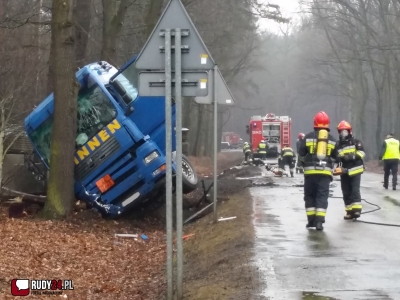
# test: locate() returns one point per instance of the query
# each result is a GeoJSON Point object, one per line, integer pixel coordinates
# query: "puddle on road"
{"type": "Point", "coordinates": [392, 200]}
{"type": "Point", "coordinates": [315, 296]}
{"type": "Point", "coordinates": [319, 242]}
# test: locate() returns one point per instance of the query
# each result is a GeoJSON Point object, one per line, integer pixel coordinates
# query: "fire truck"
{"type": "Point", "coordinates": [275, 130]}
{"type": "Point", "coordinates": [232, 138]}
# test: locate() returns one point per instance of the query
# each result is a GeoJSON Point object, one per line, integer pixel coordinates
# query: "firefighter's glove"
{"type": "Point", "coordinates": [348, 157]}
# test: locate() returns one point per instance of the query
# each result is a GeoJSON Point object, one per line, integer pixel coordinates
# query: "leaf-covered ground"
{"type": "Point", "coordinates": [85, 250]}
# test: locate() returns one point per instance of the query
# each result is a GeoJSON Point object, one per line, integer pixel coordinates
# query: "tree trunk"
{"type": "Point", "coordinates": [153, 15]}
{"type": "Point", "coordinates": [113, 18]}
{"type": "Point", "coordinates": [2, 133]}
{"type": "Point", "coordinates": [83, 17]}
{"type": "Point", "coordinates": [62, 63]}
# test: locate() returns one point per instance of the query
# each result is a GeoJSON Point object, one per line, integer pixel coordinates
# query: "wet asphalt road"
{"type": "Point", "coordinates": [348, 260]}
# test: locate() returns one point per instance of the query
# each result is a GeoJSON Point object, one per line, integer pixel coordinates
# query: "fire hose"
{"type": "Point", "coordinates": [339, 171]}
{"type": "Point", "coordinates": [365, 212]}
{"type": "Point", "coordinates": [370, 211]}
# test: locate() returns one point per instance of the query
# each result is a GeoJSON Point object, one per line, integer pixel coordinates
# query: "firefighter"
{"type": "Point", "coordinates": [390, 156]}
{"type": "Point", "coordinates": [350, 155]}
{"type": "Point", "coordinates": [287, 158]}
{"type": "Point", "coordinates": [262, 149]}
{"type": "Point", "coordinates": [299, 167]}
{"type": "Point", "coordinates": [246, 151]}
{"type": "Point", "coordinates": [317, 152]}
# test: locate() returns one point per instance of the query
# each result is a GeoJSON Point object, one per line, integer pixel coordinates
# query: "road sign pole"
{"type": "Point", "coordinates": [178, 107]}
{"type": "Point", "coordinates": [168, 150]}
{"type": "Point", "coordinates": [215, 141]}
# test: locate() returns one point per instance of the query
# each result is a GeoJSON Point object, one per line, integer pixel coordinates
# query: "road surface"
{"type": "Point", "coordinates": [348, 260]}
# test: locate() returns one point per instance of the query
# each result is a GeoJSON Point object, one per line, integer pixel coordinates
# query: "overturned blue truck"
{"type": "Point", "coordinates": [120, 158]}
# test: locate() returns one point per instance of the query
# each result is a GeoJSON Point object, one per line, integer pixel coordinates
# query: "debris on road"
{"type": "Point", "coordinates": [126, 235]}
{"type": "Point", "coordinates": [25, 197]}
{"type": "Point", "coordinates": [185, 237]}
{"type": "Point", "coordinates": [225, 219]}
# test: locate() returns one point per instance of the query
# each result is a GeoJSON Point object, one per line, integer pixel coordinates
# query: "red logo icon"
{"type": "Point", "coordinates": [20, 287]}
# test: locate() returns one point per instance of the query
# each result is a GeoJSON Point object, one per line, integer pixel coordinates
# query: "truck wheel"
{"type": "Point", "coordinates": [189, 176]}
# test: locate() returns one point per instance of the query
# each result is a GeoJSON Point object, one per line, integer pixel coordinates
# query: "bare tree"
{"type": "Point", "coordinates": [113, 18]}
{"type": "Point", "coordinates": [83, 18]}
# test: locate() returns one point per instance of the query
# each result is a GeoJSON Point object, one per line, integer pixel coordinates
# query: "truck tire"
{"type": "Point", "coordinates": [190, 179]}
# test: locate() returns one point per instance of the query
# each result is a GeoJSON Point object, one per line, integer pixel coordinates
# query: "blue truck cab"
{"type": "Point", "coordinates": [118, 164]}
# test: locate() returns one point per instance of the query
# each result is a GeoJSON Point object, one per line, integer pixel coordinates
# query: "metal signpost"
{"type": "Point", "coordinates": [220, 94]}
{"type": "Point", "coordinates": [152, 83]}
{"type": "Point", "coordinates": [193, 73]}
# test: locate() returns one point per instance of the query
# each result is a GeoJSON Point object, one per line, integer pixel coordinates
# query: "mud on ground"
{"type": "Point", "coordinates": [204, 165]}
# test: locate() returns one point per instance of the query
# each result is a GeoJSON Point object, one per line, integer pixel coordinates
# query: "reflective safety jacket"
{"type": "Point", "coordinates": [352, 147]}
{"type": "Point", "coordinates": [390, 149]}
{"type": "Point", "coordinates": [308, 155]}
{"type": "Point", "coordinates": [246, 149]}
{"type": "Point", "coordinates": [287, 151]}
{"type": "Point", "coordinates": [262, 148]}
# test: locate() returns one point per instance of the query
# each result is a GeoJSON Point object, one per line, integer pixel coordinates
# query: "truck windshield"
{"type": "Point", "coordinates": [95, 111]}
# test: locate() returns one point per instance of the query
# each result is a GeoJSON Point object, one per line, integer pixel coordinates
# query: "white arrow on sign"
{"type": "Point", "coordinates": [195, 55]}
{"type": "Point", "coordinates": [224, 95]}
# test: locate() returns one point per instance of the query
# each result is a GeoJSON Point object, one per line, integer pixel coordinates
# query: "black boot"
{"type": "Point", "coordinates": [310, 221]}
{"type": "Point", "coordinates": [319, 226]}
{"type": "Point", "coordinates": [291, 174]}
{"type": "Point", "coordinates": [349, 216]}
{"type": "Point", "coordinates": [310, 224]}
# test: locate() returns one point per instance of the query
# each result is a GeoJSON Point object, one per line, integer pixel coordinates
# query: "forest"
{"type": "Point", "coordinates": [340, 56]}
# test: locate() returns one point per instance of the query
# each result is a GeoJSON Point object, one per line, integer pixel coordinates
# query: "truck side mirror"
{"type": "Point", "coordinates": [247, 129]}
{"type": "Point", "coordinates": [121, 91]}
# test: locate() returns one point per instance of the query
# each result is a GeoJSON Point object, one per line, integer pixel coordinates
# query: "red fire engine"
{"type": "Point", "coordinates": [275, 130]}
{"type": "Point", "coordinates": [232, 138]}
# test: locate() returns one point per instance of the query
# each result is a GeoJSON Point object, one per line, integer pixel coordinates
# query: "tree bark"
{"type": "Point", "coordinates": [62, 63]}
{"type": "Point", "coordinates": [83, 17]}
{"type": "Point", "coordinates": [153, 15]}
{"type": "Point", "coordinates": [113, 18]}
{"type": "Point", "coordinates": [2, 133]}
